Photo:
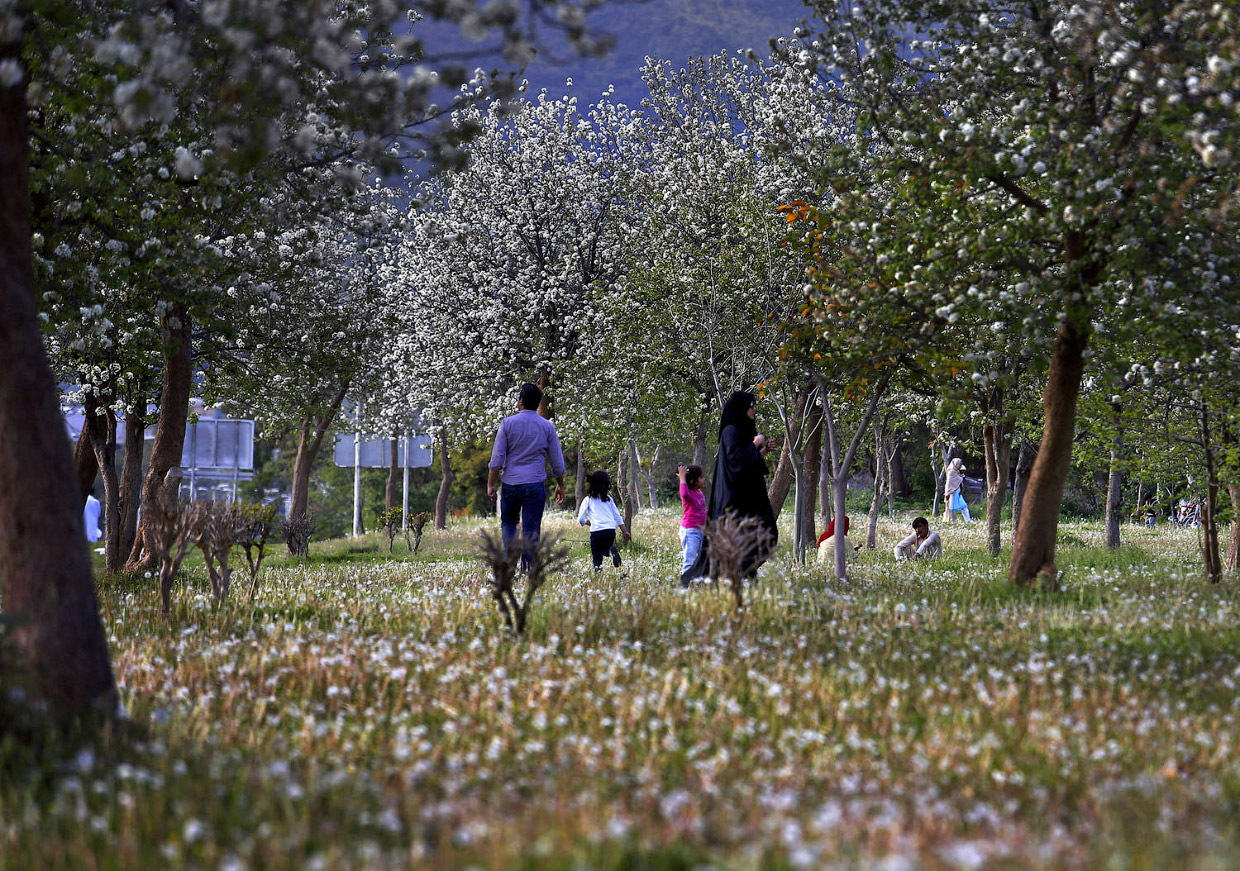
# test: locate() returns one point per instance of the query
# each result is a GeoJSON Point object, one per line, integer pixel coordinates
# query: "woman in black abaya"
{"type": "Point", "coordinates": [739, 484]}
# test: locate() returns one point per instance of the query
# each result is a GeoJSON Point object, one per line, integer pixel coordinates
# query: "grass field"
{"type": "Point", "coordinates": [371, 712]}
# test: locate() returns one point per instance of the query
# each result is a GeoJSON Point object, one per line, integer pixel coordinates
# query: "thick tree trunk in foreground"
{"type": "Point", "coordinates": [313, 428]}
{"type": "Point", "coordinates": [45, 578]}
{"type": "Point", "coordinates": [997, 445]}
{"type": "Point", "coordinates": [170, 431]}
{"type": "Point", "coordinates": [446, 477]}
{"type": "Point", "coordinates": [1115, 486]}
{"type": "Point", "coordinates": [1033, 546]}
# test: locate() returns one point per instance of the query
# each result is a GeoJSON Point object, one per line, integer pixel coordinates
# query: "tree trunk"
{"type": "Point", "coordinates": [826, 488]}
{"type": "Point", "coordinates": [1024, 467]}
{"type": "Point", "coordinates": [699, 437]}
{"type": "Point", "coordinates": [389, 488]}
{"type": "Point", "coordinates": [700, 446]}
{"type": "Point", "coordinates": [102, 429]}
{"type": "Point", "coordinates": [876, 501]}
{"type": "Point", "coordinates": [892, 451]}
{"type": "Point", "coordinates": [781, 479]}
{"type": "Point", "coordinates": [170, 431]}
{"type": "Point", "coordinates": [313, 428]}
{"type": "Point", "coordinates": [813, 471]}
{"type": "Point", "coordinates": [650, 477]}
{"type": "Point", "coordinates": [45, 577]}
{"type": "Point", "coordinates": [899, 479]}
{"type": "Point", "coordinates": [84, 462]}
{"type": "Point", "coordinates": [131, 471]}
{"type": "Point", "coordinates": [871, 532]}
{"type": "Point", "coordinates": [1033, 546]}
{"type": "Point", "coordinates": [1209, 520]}
{"type": "Point", "coordinates": [579, 490]}
{"type": "Point", "coordinates": [841, 465]}
{"type": "Point", "coordinates": [784, 477]}
{"type": "Point", "coordinates": [446, 477]}
{"type": "Point", "coordinates": [1115, 483]}
{"type": "Point", "coordinates": [1232, 561]}
{"type": "Point", "coordinates": [1233, 544]}
{"type": "Point", "coordinates": [546, 408]}
{"type": "Point", "coordinates": [997, 445]}
{"type": "Point", "coordinates": [799, 529]}
{"type": "Point", "coordinates": [940, 480]}
{"type": "Point", "coordinates": [634, 476]}
{"type": "Point", "coordinates": [623, 476]}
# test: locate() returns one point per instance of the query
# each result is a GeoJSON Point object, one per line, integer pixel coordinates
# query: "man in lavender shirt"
{"type": "Point", "coordinates": [523, 446]}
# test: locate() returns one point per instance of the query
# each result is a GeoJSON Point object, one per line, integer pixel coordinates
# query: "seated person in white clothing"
{"type": "Point", "coordinates": [922, 544]}
{"type": "Point", "coordinates": [826, 543]}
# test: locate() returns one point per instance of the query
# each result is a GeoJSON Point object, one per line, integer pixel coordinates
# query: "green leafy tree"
{"type": "Point", "coordinates": [1052, 143]}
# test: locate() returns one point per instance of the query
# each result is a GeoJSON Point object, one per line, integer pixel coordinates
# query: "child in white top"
{"type": "Point", "coordinates": [598, 511]}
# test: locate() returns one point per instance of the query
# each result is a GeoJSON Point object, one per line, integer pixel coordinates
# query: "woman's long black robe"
{"type": "Point", "coordinates": [739, 484]}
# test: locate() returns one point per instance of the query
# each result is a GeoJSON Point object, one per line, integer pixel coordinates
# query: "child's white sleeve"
{"type": "Point", "coordinates": [615, 512]}
{"type": "Point", "coordinates": [584, 512]}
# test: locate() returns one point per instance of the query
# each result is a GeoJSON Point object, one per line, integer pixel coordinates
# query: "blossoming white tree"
{"type": "Point", "coordinates": [349, 71]}
{"type": "Point", "coordinates": [515, 266]}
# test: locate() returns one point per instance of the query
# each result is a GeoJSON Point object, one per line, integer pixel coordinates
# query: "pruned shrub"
{"type": "Point", "coordinates": [258, 523]}
{"type": "Point", "coordinates": [172, 527]}
{"type": "Point", "coordinates": [504, 562]}
{"type": "Point", "coordinates": [390, 522]}
{"type": "Point", "coordinates": [736, 546]}
{"type": "Point", "coordinates": [219, 528]}
{"type": "Point", "coordinates": [413, 532]}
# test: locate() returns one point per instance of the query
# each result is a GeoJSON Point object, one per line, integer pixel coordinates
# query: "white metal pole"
{"type": "Point", "coordinates": [357, 483]}
{"type": "Point", "coordinates": [405, 505]}
{"type": "Point", "coordinates": [193, 460]}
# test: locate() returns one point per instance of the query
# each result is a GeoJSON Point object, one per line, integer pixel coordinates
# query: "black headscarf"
{"type": "Point", "coordinates": [736, 413]}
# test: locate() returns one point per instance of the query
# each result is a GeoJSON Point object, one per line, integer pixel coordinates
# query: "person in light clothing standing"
{"type": "Point", "coordinates": [599, 512]}
{"type": "Point", "coordinates": [954, 488]}
{"type": "Point", "coordinates": [525, 444]}
{"type": "Point", "coordinates": [90, 517]}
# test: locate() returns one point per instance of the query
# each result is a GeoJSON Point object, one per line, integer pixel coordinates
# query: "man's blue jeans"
{"type": "Point", "coordinates": [524, 501]}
